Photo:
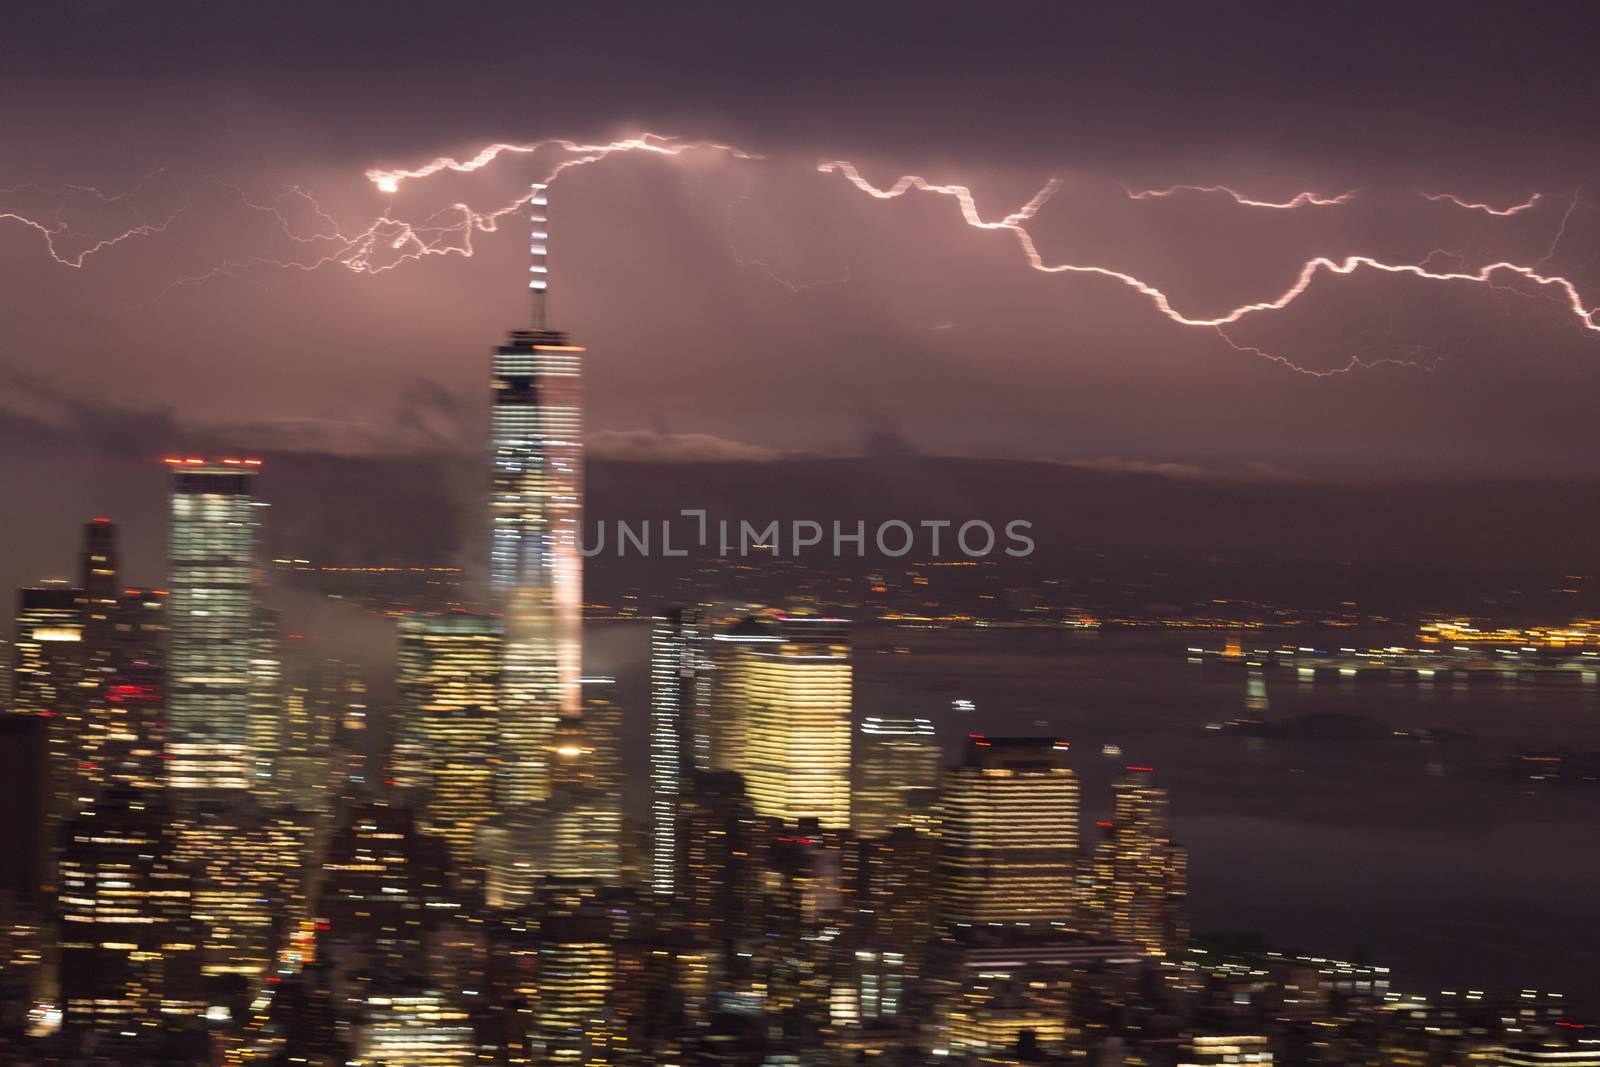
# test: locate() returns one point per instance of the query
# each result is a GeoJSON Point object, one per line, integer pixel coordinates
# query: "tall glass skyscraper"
{"type": "Point", "coordinates": [1140, 885]}
{"type": "Point", "coordinates": [1009, 849]}
{"type": "Point", "coordinates": [536, 511]}
{"type": "Point", "coordinates": [796, 759]}
{"type": "Point", "coordinates": [679, 688]}
{"type": "Point", "coordinates": [450, 668]}
{"type": "Point", "coordinates": [215, 519]}
{"type": "Point", "coordinates": [897, 773]}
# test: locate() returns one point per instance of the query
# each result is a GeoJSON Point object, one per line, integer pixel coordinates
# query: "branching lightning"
{"type": "Point", "coordinates": [388, 181]}
{"type": "Point", "coordinates": [1566, 292]}
{"type": "Point", "coordinates": [386, 240]}
{"type": "Point", "coordinates": [58, 229]}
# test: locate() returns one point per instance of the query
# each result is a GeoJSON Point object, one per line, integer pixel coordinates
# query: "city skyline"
{"type": "Point", "coordinates": [1098, 572]}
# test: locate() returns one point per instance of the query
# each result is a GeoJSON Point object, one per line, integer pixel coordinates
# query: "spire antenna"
{"type": "Point", "coordinates": [539, 249]}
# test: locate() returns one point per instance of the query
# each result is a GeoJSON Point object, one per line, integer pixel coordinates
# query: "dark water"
{"type": "Point", "coordinates": [1428, 858]}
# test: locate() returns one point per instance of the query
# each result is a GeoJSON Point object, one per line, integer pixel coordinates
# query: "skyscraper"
{"type": "Point", "coordinates": [97, 579]}
{"type": "Point", "coordinates": [1140, 885]}
{"type": "Point", "coordinates": [897, 770]}
{"type": "Point", "coordinates": [536, 511]}
{"type": "Point", "coordinates": [728, 653]}
{"type": "Point", "coordinates": [718, 868]}
{"type": "Point", "coordinates": [414, 1028]}
{"type": "Point", "coordinates": [602, 742]}
{"type": "Point", "coordinates": [796, 761]}
{"type": "Point", "coordinates": [679, 688]}
{"type": "Point", "coordinates": [215, 518]}
{"type": "Point", "coordinates": [131, 699]}
{"type": "Point", "coordinates": [47, 677]}
{"type": "Point", "coordinates": [97, 566]}
{"type": "Point", "coordinates": [130, 940]}
{"type": "Point", "coordinates": [1009, 839]}
{"type": "Point", "coordinates": [450, 672]}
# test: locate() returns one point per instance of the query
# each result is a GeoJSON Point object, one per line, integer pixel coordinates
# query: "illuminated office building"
{"type": "Point", "coordinates": [796, 761]}
{"type": "Point", "coordinates": [728, 653]}
{"type": "Point", "coordinates": [130, 942]}
{"type": "Point", "coordinates": [1009, 834]}
{"type": "Point", "coordinates": [602, 743]}
{"type": "Point", "coordinates": [449, 717]}
{"type": "Point", "coordinates": [805, 873]}
{"type": "Point", "coordinates": [1207, 1049]}
{"type": "Point", "coordinates": [1139, 889]}
{"type": "Point", "coordinates": [717, 876]}
{"type": "Point", "coordinates": [215, 518]}
{"type": "Point", "coordinates": [414, 1029]}
{"type": "Point", "coordinates": [994, 1021]}
{"type": "Point", "coordinates": [267, 727]}
{"type": "Point", "coordinates": [240, 861]}
{"type": "Point", "coordinates": [679, 689]}
{"type": "Point", "coordinates": [576, 974]}
{"type": "Point", "coordinates": [97, 603]}
{"type": "Point", "coordinates": [303, 771]}
{"type": "Point", "coordinates": [1576, 1052]}
{"type": "Point", "coordinates": [339, 696]}
{"type": "Point", "coordinates": [47, 680]}
{"type": "Point", "coordinates": [383, 890]}
{"type": "Point", "coordinates": [131, 698]}
{"type": "Point", "coordinates": [536, 511]}
{"type": "Point", "coordinates": [574, 833]}
{"type": "Point", "coordinates": [897, 906]}
{"type": "Point", "coordinates": [897, 771]}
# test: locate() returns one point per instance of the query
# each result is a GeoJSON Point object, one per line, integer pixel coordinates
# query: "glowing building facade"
{"type": "Point", "coordinates": [415, 1029]}
{"type": "Point", "coordinates": [1140, 886]}
{"type": "Point", "coordinates": [450, 670]}
{"type": "Point", "coordinates": [679, 688]}
{"type": "Point", "coordinates": [1009, 834]}
{"type": "Point", "coordinates": [897, 771]}
{"type": "Point", "coordinates": [214, 525]}
{"type": "Point", "coordinates": [536, 515]}
{"type": "Point", "coordinates": [1207, 1049]}
{"type": "Point", "coordinates": [572, 1020]}
{"type": "Point", "coordinates": [726, 723]}
{"type": "Point", "coordinates": [796, 760]}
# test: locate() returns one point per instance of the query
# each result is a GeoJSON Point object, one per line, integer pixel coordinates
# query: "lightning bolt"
{"type": "Point", "coordinates": [761, 266]}
{"type": "Point", "coordinates": [1487, 209]}
{"type": "Point", "coordinates": [387, 240]}
{"type": "Point", "coordinates": [1298, 200]}
{"type": "Point", "coordinates": [1416, 358]}
{"type": "Point", "coordinates": [1309, 271]}
{"type": "Point", "coordinates": [56, 228]}
{"type": "Point", "coordinates": [388, 181]}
